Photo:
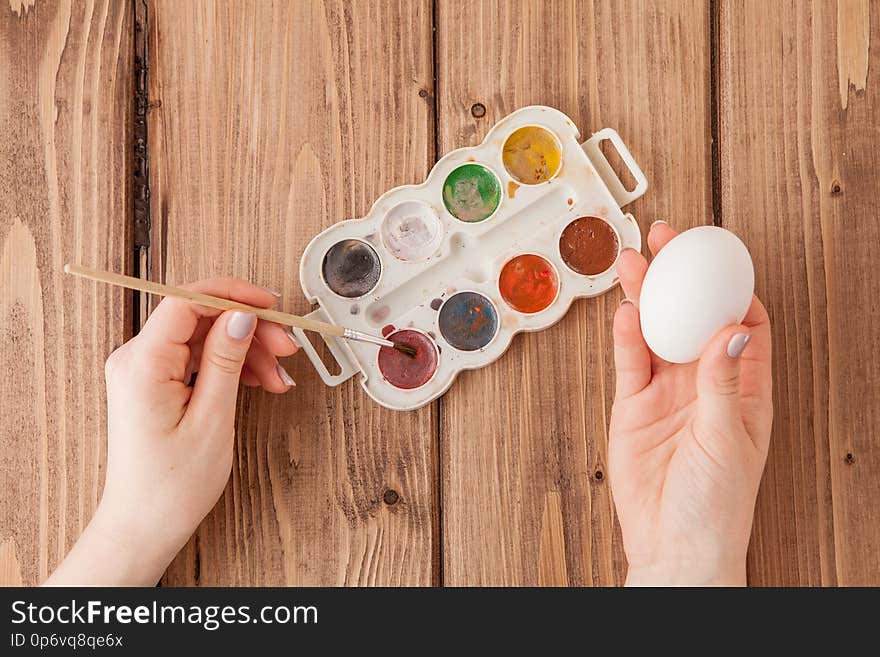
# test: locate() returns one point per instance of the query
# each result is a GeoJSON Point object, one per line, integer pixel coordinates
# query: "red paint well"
{"type": "Point", "coordinates": [408, 372]}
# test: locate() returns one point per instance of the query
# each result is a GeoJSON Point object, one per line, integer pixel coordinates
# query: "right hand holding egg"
{"type": "Point", "coordinates": [688, 442]}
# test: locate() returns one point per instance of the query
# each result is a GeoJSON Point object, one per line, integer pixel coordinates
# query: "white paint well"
{"type": "Point", "coordinates": [411, 231]}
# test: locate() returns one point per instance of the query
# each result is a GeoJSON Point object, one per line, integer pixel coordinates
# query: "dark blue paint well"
{"type": "Point", "coordinates": [468, 321]}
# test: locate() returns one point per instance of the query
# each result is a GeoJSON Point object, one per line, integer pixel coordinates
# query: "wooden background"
{"type": "Point", "coordinates": [268, 121]}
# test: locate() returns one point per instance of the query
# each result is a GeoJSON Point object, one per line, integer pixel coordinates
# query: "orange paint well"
{"type": "Point", "coordinates": [528, 283]}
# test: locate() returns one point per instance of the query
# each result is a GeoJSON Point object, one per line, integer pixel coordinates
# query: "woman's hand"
{"type": "Point", "coordinates": [687, 443]}
{"type": "Point", "coordinates": [170, 445]}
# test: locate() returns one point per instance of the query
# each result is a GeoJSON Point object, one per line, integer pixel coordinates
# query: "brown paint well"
{"type": "Point", "coordinates": [589, 246]}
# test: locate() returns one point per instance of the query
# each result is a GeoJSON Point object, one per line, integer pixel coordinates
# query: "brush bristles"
{"type": "Point", "coordinates": [406, 349]}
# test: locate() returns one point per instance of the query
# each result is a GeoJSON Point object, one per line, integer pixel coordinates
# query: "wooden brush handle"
{"type": "Point", "coordinates": [120, 280]}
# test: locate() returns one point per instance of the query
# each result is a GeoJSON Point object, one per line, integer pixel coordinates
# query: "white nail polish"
{"type": "Point", "coordinates": [293, 339]}
{"type": "Point", "coordinates": [240, 324]}
{"type": "Point", "coordinates": [286, 379]}
{"type": "Point", "coordinates": [659, 221]}
{"type": "Point", "coordinates": [275, 294]}
{"type": "Point", "coordinates": [737, 344]}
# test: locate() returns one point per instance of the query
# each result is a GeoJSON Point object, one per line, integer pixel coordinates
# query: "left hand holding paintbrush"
{"type": "Point", "coordinates": [170, 445]}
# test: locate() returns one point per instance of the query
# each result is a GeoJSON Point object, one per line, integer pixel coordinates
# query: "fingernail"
{"type": "Point", "coordinates": [240, 325]}
{"type": "Point", "coordinates": [275, 294]}
{"type": "Point", "coordinates": [659, 221]}
{"type": "Point", "coordinates": [629, 301]}
{"type": "Point", "coordinates": [737, 344]}
{"type": "Point", "coordinates": [293, 339]}
{"type": "Point", "coordinates": [285, 377]}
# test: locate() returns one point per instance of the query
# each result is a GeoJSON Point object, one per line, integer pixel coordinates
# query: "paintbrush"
{"type": "Point", "coordinates": [286, 319]}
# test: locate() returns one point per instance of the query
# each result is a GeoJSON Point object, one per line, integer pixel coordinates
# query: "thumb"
{"type": "Point", "coordinates": [718, 375]}
{"type": "Point", "coordinates": [223, 354]}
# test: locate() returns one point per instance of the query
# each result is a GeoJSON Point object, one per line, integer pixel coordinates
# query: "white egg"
{"type": "Point", "coordinates": [700, 282]}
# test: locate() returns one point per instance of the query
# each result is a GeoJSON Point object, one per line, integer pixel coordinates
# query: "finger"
{"type": "Point", "coordinates": [659, 236]}
{"type": "Point", "coordinates": [234, 288]}
{"type": "Point", "coordinates": [279, 340]}
{"type": "Point", "coordinates": [195, 357]}
{"type": "Point", "coordinates": [718, 376]}
{"type": "Point", "coordinates": [212, 405]}
{"type": "Point", "coordinates": [248, 378]}
{"type": "Point", "coordinates": [632, 359]}
{"type": "Point", "coordinates": [756, 379]}
{"type": "Point", "coordinates": [758, 321]}
{"type": "Point", "coordinates": [272, 377]}
{"type": "Point", "coordinates": [284, 346]}
{"type": "Point", "coordinates": [202, 327]}
{"type": "Point", "coordinates": [175, 320]}
{"type": "Point", "coordinates": [631, 269]}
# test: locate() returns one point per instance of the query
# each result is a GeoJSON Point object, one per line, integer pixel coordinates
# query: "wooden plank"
{"type": "Point", "coordinates": [65, 107]}
{"type": "Point", "coordinates": [277, 120]}
{"type": "Point", "coordinates": [524, 496]}
{"type": "Point", "coordinates": [799, 116]}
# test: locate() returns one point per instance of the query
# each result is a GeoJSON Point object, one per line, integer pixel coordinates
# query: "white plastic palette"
{"type": "Point", "coordinates": [465, 256]}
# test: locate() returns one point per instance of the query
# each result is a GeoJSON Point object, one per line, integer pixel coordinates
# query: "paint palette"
{"type": "Point", "coordinates": [500, 238]}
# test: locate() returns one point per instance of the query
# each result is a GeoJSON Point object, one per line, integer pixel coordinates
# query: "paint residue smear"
{"type": "Point", "coordinates": [411, 231]}
{"type": "Point", "coordinates": [589, 246]}
{"type": "Point", "coordinates": [531, 155]}
{"type": "Point", "coordinates": [351, 268]}
{"type": "Point", "coordinates": [471, 193]}
{"type": "Point", "coordinates": [528, 283]}
{"type": "Point", "coordinates": [408, 372]}
{"type": "Point", "coordinates": [468, 321]}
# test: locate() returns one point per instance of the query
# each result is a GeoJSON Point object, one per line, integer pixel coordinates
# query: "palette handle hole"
{"type": "Point", "coordinates": [612, 156]}
{"type": "Point", "coordinates": [328, 355]}
{"type": "Point", "coordinates": [622, 164]}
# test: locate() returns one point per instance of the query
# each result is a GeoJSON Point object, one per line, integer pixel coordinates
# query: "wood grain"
{"type": "Point", "coordinates": [277, 120]}
{"type": "Point", "coordinates": [273, 120]}
{"type": "Point", "coordinates": [65, 104]}
{"type": "Point", "coordinates": [523, 442]}
{"type": "Point", "coordinates": [799, 113]}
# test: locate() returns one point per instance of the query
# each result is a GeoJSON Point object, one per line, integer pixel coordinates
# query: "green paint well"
{"type": "Point", "coordinates": [471, 193]}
